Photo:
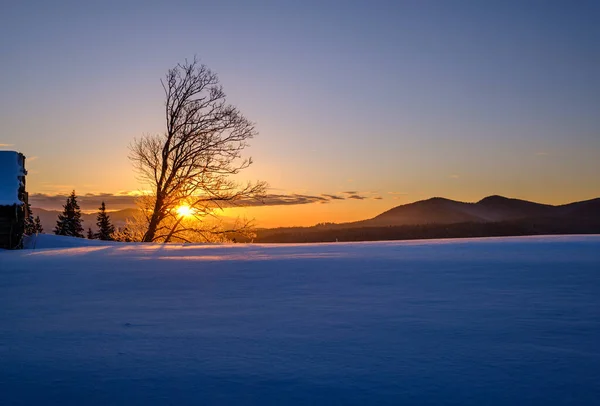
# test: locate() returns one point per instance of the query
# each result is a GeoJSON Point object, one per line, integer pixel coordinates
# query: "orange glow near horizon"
{"type": "Point", "coordinates": [308, 214]}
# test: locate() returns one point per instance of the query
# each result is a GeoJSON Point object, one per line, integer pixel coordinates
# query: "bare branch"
{"type": "Point", "coordinates": [193, 160]}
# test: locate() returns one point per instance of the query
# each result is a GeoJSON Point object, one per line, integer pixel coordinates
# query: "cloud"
{"type": "Point", "coordinates": [454, 176]}
{"type": "Point", "coordinates": [293, 199]}
{"type": "Point", "coordinates": [297, 198]}
{"type": "Point", "coordinates": [124, 200]}
{"type": "Point", "coordinates": [333, 197]}
{"type": "Point", "coordinates": [87, 202]}
{"type": "Point", "coordinates": [378, 198]}
{"type": "Point", "coordinates": [284, 200]}
{"type": "Point", "coordinates": [6, 145]}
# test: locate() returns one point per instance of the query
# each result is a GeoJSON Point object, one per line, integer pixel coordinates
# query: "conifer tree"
{"type": "Point", "coordinates": [38, 225]}
{"type": "Point", "coordinates": [105, 228]}
{"type": "Point", "coordinates": [29, 221]}
{"type": "Point", "coordinates": [90, 235]}
{"type": "Point", "coordinates": [69, 222]}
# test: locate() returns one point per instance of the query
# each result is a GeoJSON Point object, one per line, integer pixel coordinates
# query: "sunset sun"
{"type": "Point", "coordinates": [185, 211]}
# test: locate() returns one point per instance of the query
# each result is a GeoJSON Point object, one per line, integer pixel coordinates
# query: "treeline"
{"type": "Point", "coordinates": [542, 226]}
{"type": "Point", "coordinates": [32, 225]}
{"type": "Point", "coordinates": [69, 222]}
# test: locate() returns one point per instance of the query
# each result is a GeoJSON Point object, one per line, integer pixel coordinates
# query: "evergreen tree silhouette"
{"type": "Point", "coordinates": [29, 221]}
{"type": "Point", "coordinates": [90, 235]}
{"type": "Point", "coordinates": [69, 222]}
{"type": "Point", "coordinates": [105, 228]}
{"type": "Point", "coordinates": [37, 225]}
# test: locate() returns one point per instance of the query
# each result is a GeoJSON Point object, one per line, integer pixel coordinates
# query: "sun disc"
{"type": "Point", "coordinates": [185, 211]}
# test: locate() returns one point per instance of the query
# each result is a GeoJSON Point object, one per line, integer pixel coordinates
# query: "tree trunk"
{"type": "Point", "coordinates": [154, 220]}
{"type": "Point", "coordinates": [168, 239]}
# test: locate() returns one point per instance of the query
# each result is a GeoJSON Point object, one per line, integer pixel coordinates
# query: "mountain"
{"type": "Point", "coordinates": [432, 218]}
{"type": "Point", "coordinates": [588, 209]}
{"type": "Point", "coordinates": [436, 210]}
{"type": "Point", "coordinates": [443, 218]}
{"type": "Point", "coordinates": [490, 209]}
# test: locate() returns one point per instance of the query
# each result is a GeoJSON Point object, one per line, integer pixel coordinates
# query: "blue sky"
{"type": "Point", "coordinates": [401, 100]}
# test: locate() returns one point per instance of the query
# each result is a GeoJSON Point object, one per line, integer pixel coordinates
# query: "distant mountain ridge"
{"type": "Point", "coordinates": [495, 208]}
{"type": "Point", "coordinates": [432, 218]}
{"type": "Point", "coordinates": [444, 218]}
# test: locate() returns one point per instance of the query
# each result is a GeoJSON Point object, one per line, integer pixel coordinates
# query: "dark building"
{"type": "Point", "coordinates": [13, 199]}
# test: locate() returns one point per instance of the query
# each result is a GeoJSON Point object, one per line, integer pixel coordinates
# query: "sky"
{"type": "Point", "coordinates": [360, 105]}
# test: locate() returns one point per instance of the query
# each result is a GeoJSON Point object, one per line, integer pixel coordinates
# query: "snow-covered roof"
{"type": "Point", "coordinates": [10, 171]}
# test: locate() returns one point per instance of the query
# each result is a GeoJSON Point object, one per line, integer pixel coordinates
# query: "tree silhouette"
{"type": "Point", "coordinates": [69, 221]}
{"type": "Point", "coordinates": [29, 221]}
{"type": "Point", "coordinates": [37, 226]}
{"type": "Point", "coordinates": [191, 163]}
{"type": "Point", "coordinates": [105, 228]}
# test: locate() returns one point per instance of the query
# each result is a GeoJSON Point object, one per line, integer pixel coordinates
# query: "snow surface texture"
{"type": "Point", "coordinates": [10, 170]}
{"type": "Point", "coordinates": [508, 321]}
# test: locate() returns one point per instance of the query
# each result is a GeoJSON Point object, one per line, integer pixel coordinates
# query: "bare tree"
{"type": "Point", "coordinates": [191, 164]}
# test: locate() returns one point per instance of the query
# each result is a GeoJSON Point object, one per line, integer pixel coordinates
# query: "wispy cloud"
{"type": "Point", "coordinates": [296, 198]}
{"type": "Point", "coordinates": [284, 200]}
{"type": "Point", "coordinates": [123, 200]}
{"type": "Point", "coordinates": [356, 197]}
{"type": "Point", "coordinates": [86, 202]}
{"type": "Point", "coordinates": [333, 197]}
{"type": "Point", "coordinates": [6, 145]}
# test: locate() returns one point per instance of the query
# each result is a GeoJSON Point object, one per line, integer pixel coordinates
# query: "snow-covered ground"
{"type": "Point", "coordinates": [511, 321]}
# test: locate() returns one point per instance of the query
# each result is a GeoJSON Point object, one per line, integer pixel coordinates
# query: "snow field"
{"type": "Point", "coordinates": [464, 322]}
